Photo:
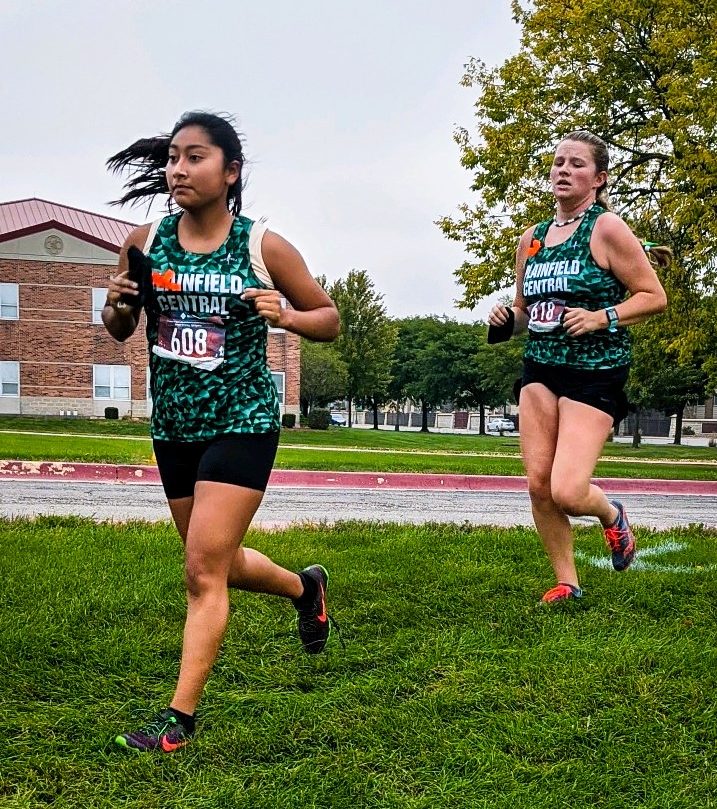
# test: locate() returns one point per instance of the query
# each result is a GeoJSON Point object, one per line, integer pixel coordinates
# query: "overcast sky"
{"type": "Point", "coordinates": [347, 108]}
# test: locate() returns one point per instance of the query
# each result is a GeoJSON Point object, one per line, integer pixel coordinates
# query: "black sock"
{"type": "Point", "coordinates": [186, 719]}
{"type": "Point", "coordinates": [306, 599]}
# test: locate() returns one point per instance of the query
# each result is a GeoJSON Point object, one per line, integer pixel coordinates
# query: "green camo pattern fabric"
{"type": "Point", "coordinates": [191, 404]}
{"type": "Point", "coordinates": [569, 272]}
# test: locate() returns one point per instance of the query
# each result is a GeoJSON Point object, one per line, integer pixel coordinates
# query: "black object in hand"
{"type": "Point", "coordinates": [140, 271]}
{"type": "Point", "coordinates": [499, 334]}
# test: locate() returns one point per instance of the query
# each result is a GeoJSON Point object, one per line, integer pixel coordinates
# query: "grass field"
{"type": "Point", "coordinates": [347, 450]}
{"type": "Point", "coordinates": [402, 441]}
{"type": "Point", "coordinates": [455, 689]}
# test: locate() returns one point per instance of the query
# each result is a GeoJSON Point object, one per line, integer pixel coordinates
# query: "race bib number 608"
{"type": "Point", "coordinates": [191, 340]}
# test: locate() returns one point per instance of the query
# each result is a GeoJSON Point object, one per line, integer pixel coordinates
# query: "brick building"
{"type": "Point", "coordinates": [55, 355]}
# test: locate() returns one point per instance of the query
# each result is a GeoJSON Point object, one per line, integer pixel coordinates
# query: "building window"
{"type": "Point", "coordinates": [9, 377]}
{"type": "Point", "coordinates": [111, 381]}
{"type": "Point", "coordinates": [99, 296]}
{"type": "Point", "coordinates": [279, 382]}
{"type": "Point", "coordinates": [8, 301]}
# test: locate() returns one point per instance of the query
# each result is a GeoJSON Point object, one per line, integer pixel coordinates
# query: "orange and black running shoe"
{"type": "Point", "coordinates": [561, 592]}
{"type": "Point", "coordinates": [314, 623]}
{"type": "Point", "coordinates": [620, 539]}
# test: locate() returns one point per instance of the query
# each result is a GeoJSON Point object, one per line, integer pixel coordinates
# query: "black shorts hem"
{"type": "Point", "coordinates": [602, 388]}
{"type": "Point", "coordinates": [239, 459]}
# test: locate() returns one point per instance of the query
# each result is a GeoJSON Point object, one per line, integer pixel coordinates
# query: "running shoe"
{"type": "Point", "coordinates": [620, 539]}
{"type": "Point", "coordinates": [313, 621]}
{"type": "Point", "coordinates": [164, 733]}
{"type": "Point", "coordinates": [561, 592]}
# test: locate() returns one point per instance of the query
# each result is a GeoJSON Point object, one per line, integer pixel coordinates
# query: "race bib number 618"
{"type": "Point", "coordinates": [546, 316]}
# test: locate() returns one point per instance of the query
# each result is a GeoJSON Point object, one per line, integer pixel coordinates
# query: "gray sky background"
{"type": "Point", "coordinates": [348, 111]}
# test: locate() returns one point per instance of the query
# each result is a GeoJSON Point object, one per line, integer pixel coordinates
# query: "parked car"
{"type": "Point", "coordinates": [338, 420]}
{"type": "Point", "coordinates": [500, 425]}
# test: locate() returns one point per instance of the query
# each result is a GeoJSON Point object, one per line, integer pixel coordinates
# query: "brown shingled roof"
{"type": "Point", "coordinates": [25, 216]}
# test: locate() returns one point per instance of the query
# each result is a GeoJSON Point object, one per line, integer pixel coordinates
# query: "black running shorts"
{"type": "Point", "coordinates": [242, 459]}
{"type": "Point", "coordinates": [602, 388]}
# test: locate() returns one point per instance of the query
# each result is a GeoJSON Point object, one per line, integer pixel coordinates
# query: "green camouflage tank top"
{"type": "Point", "coordinates": [567, 275]}
{"type": "Point", "coordinates": [208, 366]}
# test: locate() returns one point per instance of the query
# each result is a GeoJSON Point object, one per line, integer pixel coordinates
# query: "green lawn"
{"type": "Point", "coordinates": [343, 449]}
{"type": "Point", "coordinates": [56, 424]}
{"type": "Point", "coordinates": [139, 451]}
{"type": "Point", "coordinates": [455, 689]}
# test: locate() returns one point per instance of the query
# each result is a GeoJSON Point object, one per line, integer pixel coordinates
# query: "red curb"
{"type": "Point", "coordinates": [396, 480]}
{"type": "Point", "coordinates": [109, 473]}
{"type": "Point", "coordinates": [84, 472]}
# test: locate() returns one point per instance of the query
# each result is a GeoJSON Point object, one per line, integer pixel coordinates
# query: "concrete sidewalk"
{"type": "Point", "coordinates": [284, 478]}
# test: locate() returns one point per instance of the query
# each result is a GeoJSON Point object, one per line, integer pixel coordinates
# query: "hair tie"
{"type": "Point", "coordinates": [647, 246]}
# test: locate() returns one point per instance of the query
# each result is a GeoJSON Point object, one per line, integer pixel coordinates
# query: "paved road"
{"type": "Point", "coordinates": [107, 501]}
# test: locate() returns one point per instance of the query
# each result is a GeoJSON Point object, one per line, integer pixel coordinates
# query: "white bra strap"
{"type": "Point", "coordinates": [256, 234]}
{"type": "Point", "coordinates": [150, 236]}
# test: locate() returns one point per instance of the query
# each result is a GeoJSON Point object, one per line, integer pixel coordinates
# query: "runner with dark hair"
{"type": "Point", "coordinates": [211, 283]}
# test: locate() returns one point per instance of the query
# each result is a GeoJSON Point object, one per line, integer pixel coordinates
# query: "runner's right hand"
{"type": "Point", "coordinates": [498, 315]}
{"type": "Point", "coordinates": [119, 286]}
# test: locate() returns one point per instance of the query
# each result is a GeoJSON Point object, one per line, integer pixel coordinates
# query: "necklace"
{"type": "Point", "coordinates": [571, 220]}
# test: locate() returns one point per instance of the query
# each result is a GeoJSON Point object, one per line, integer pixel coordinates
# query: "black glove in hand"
{"type": "Point", "coordinates": [499, 334]}
{"type": "Point", "coordinates": [140, 271]}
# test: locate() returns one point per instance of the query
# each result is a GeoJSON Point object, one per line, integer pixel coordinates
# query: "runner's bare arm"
{"type": "Point", "coordinates": [520, 307]}
{"type": "Point", "coordinates": [121, 321]}
{"type": "Point", "coordinates": [617, 248]}
{"type": "Point", "coordinates": [314, 314]}
{"type": "Point", "coordinates": [499, 313]}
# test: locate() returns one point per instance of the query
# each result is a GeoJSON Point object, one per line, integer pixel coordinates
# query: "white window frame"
{"type": "Point", "coordinates": [99, 296]}
{"type": "Point", "coordinates": [9, 299]}
{"type": "Point", "coordinates": [10, 375]}
{"type": "Point", "coordinates": [281, 391]}
{"type": "Point", "coordinates": [113, 372]}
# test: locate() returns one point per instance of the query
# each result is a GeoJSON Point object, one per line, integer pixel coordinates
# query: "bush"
{"type": "Point", "coordinates": [688, 430]}
{"type": "Point", "coordinates": [712, 442]}
{"type": "Point", "coordinates": [111, 413]}
{"type": "Point", "coordinates": [288, 420]}
{"type": "Point", "coordinates": [319, 419]}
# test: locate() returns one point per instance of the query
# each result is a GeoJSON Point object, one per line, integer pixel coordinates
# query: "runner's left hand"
{"type": "Point", "coordinates": [582, 321]}
{"type": "Point", "coordinates": [268, 305]}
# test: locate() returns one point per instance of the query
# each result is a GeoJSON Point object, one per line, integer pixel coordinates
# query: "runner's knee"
{"type": "Point", "coordinates": [539, 491]}
{"type": "Point", "coordinates": [201, 577]}
{"type": "Point", "coordinates": [570, 496]}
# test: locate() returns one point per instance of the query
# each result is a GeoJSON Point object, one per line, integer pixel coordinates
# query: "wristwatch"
{"type": "Point", "coordinates": [612, 319]}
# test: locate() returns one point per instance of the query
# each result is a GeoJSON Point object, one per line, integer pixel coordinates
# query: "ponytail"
{"type": "Point", "coordinates": [659, 255]}
{"type": "Point", "coordinates": [145, 162]}
{"type": "Point", "coordinates": [602, 198]}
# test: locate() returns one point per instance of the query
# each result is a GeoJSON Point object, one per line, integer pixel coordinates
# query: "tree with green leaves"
{"type": "Point", "coordinates": [324, 375]}
{"type": "Point", "coordinates": [640, 74]}
{"type": "Point", "coordinates": [661, 381]}
{"type": "Point", "coordinates": [409, 369]}
{"type": "Point", "coordinates": [367, 337]}
{"type": "Point", "coordinates": [464, 369]}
